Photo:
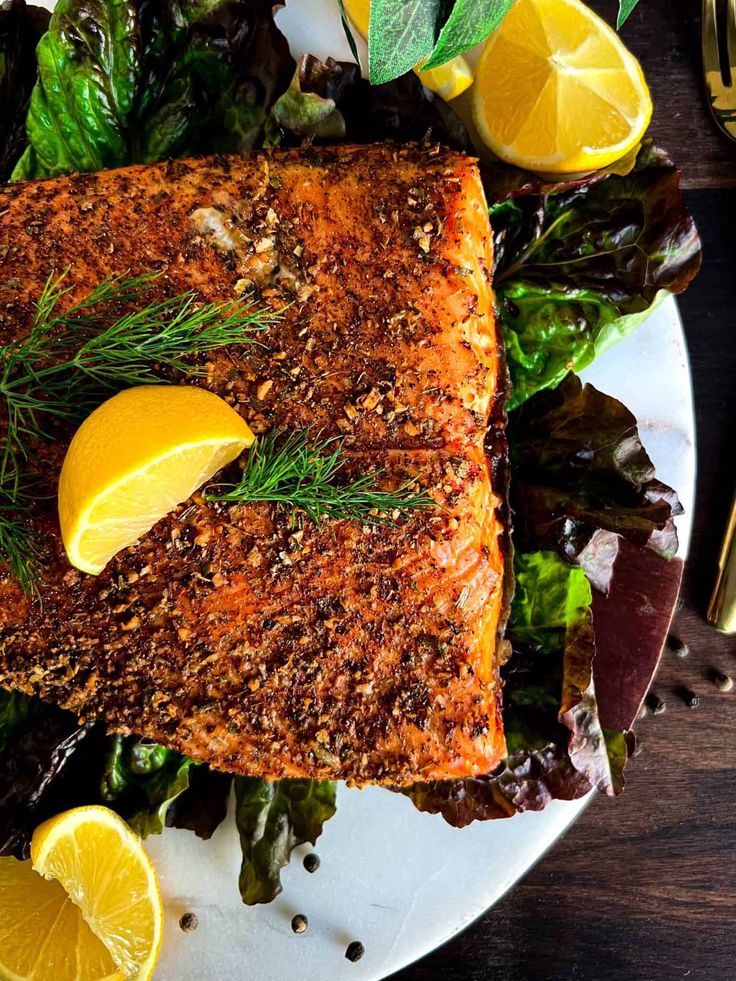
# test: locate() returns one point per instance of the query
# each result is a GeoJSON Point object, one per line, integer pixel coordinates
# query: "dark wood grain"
{"type": "Point", "coordinates": [643, 888]}
{"type": "Point", "coordinates": [665, 36]}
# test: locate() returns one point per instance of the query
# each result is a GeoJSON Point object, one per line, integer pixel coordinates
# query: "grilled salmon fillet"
{"type": "Point", "coordinates": [231, 633]}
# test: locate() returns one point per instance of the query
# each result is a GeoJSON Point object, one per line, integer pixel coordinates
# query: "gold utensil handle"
{"type": "Point", "coordinates": [722, 606]}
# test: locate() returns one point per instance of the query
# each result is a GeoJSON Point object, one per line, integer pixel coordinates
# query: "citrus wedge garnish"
{"type": "Point", "coordinates": [557, 92]}
{"type": "Point", "coordinates": [134, 459]}
{"type": "Point", "coordinates": [102, 867]}
{"type": "Point", "coordinates": [43, 934]}
{"type": "Point", "coordinates": [448, 81]}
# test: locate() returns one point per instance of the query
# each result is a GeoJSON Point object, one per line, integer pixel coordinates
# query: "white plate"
{"type": "Point", "coordinates": [400, 881]}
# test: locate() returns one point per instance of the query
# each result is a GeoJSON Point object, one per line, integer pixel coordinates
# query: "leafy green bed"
{"type": "Point", "coordinates": [578, 266]}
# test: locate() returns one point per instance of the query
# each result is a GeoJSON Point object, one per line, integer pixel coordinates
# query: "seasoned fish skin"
{"type": "Point", "coordinates": [367, 655]}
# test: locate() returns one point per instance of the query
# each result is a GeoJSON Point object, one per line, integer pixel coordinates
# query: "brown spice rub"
{"type": "Point", "coordinates": [228, 632]}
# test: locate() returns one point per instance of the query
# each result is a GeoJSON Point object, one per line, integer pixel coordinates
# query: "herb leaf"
{"type": "Point", "coordinates": [348, 31]}
{"type": "Point", "coordinates": [297, 473]}
{"type": "Point", "coordinates": [273, 817]}
{"type": "Point", "coordinates": [400, 35]}
{"type": "Point", "coordinates": [469, 23]}
{"type": "Point", "coordinates": [625, 7]}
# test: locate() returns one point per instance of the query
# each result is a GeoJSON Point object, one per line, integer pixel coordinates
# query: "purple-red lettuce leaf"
{"type": "Point", "coordinates": [556, 746]}
{"type": "Point", "coordinates": [337, 98]}
{"type": "Point", "coordinates": [21, 28]}
{"type": "Point", "coordinates": [580, 264]}
{"type": "Point", "coordinates": [49, 763]}
{"type": "Point", "coordinates": [202, 807]}
{"type": "Point", "coordinates": [45, 758]}
{"type": "Point", "coordinates": [578, 466]}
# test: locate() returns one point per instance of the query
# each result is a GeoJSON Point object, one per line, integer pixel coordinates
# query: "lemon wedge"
{"type": "Point", "coordinates": [448, 81]}
{"type": "Point", "coordinates": [557, 92]}
{"type": "Point", "coordinates": [134, 459]}
{"type": "Point", "coordinates": [102, 867]}
{"type": "Point", "coordinates": [87, 907]}
{"type": "Point", "coordinates": [43, 934]}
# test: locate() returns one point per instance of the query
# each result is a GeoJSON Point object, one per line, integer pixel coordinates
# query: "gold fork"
{"type": "Point", "coordinates": [722, 94]}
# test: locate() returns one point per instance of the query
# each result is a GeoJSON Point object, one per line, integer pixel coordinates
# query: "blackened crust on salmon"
{"type": "Point", "coordinates": [230, 633]}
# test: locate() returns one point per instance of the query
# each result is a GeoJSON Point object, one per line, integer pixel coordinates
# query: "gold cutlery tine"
{"type": "Point", "coordinates": [722, 606]}
{"type": "Point", "coordinates": [721, 94]}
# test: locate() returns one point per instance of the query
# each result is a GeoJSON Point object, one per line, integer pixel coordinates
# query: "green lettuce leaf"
{"type": "Point", "coordinates": [578, 466]}
{"type": "Point", "coordinates": [469, 23]}
{"type": "Point", "coordinates": [551, 614]}
{"type": "Point", "coordinates": [557, 748]}
{"type": "Point", "coordinates": [580, 265]}
{"type": "Point", "coordinates": [21, 28]}
{"type": "Point", "coordinates": [273, 817]}
{"type": "Point", "coordinates": [140, 781]}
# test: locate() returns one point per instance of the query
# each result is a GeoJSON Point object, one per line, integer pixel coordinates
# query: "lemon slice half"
{"type": "Point", "coordinates": [102, 867]}
{"type": "Point", "coordinates": [43, 934]}
{"type": "Point", "coordinates": [137, 457]}
{"type": "Point", "coordinates": [557, 92]}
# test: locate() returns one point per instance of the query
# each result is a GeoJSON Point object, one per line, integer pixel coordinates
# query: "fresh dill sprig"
{"type": "Point", "coordinates": [72, 357]}
{"type": "Point", "coordinates": [109, 340]}
{"type": "Point", "coordinates": [19, 551]}
{"type": "Point", "coordinates": [304, 475]}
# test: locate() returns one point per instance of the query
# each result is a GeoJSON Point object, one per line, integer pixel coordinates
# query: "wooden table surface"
{"type": "Point", "coordinates": [643, 888]}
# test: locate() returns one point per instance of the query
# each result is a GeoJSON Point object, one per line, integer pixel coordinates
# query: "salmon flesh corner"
{"type": "Point", "coordinates": [241, 635]}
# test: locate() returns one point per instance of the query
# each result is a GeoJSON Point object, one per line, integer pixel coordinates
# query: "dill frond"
{"type": "Point", "coordinates": [19, 551]}
{"type": "Point", "coordinates": [303, 475]}
{"type": "Point", "coordinates": [72, 357]}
